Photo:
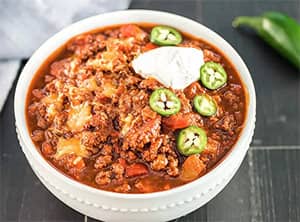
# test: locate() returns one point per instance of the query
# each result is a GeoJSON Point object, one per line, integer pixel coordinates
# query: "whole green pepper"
{"type": "Point", "coordinates": [279, 30]}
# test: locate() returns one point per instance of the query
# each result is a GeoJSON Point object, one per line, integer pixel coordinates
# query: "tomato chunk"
{"type": "Point", "coordinates": [150, 46]}
{"type": "Point", "coordinates": [132, 31]}
{"type": "Point", "coordinates": [193, 90]}
{"type": "Point", "coordinates": [192, 168]}
{"type": "Point", "coordinates": [177, 121]}
{"type": "Point", "coordinates": [79, 163]}
{"type": "Point", "coordinates": [136, 169]}
{"type": "Point", "coordinates": [122, 162]}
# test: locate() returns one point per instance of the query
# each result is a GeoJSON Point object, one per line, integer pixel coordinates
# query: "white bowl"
{"type": "Point", "coordinates": [109, 206]}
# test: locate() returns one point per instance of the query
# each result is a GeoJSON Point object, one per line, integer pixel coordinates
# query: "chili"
{"type": "Point", "coordinates": [164, 35]}
{"type": "Point", "coordinates": [91, 117]}
{"type": "Point", "coordinates": [277, 29]}
{"type": "Point", "coordinates": [191, 140]}
{"type": "Point", "coordinates": [205, 105]}
{"type": "Point", "coordinates": [213, 75]}
{"type": "Point", "coordinates": [164, 102]}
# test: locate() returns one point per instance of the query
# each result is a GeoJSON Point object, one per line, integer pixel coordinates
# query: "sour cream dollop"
{"type": "Point", "coordinates": [175, 67]}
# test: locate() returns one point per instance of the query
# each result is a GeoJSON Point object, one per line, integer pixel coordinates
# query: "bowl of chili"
{"type": "Point", "coordinates": [189, 126]}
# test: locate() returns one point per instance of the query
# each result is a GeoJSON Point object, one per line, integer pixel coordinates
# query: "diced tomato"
{"type": "Point", "coordinates": [177, 121]}
{"type": "Point", "coordinates": [79, 164]}
{"type": "Point", "coordinates": [192, 168]}
{"type": "Point", "coordinates": [194, 89]}
{"type": "Point", "coordinates": [136, 169]}
{"type": "Point", "coordinates": [47, 149]}
{"type": "Point", "coordinates": [132, 31]}
{"type": "Point", "coordinates": [150, 46]}
{"type": "Point", "coordinates": [122, 162]}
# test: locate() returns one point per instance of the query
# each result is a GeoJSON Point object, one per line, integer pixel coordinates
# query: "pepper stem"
{"type": "Point", "coordinates": [252, 22]}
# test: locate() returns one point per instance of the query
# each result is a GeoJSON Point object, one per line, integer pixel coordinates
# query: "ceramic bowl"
{"type": "Point", "coordinates": [110, 206]}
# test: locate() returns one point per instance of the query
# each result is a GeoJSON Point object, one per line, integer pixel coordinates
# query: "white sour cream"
{"type": "Point", "coordinates": [175, 67]}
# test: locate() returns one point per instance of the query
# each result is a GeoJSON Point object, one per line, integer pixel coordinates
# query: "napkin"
{"type": "Point", "coordinates": [26, 24]}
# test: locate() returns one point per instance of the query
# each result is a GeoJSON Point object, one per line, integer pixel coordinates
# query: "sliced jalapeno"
{"type": "Point", "coordinates": [164, 102]}
{"type": "Point", "coordinates": [213, 75]}
{"type": "Point", "coordinates": [164, 35]}
{"type": "Point", "coordinates": [205, 105]}
{"type": "Point", "coordinates": [191, 140]}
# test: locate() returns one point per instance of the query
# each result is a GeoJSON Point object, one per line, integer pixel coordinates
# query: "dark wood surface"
{"type": "Point", "coordinates": [266, 187]}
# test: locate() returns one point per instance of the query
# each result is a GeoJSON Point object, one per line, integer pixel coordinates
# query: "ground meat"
{"type": "Point", "coordinates": [38, 93]}
{"type": "Point", "coordinates": [148, 114]}
{"type": "Point", "coordinates": [106, 149]}
{"type": "Point", "coordinates": [60, 120]}
{"type": "Point", "coordinates": [87, 45]}
{"type": "Point", "coordinates": [185, 103]}
{"type": "Point", "coordinates": [140, 99]}
{"type": "Point", "coordinates": [91, 139]}
{"type": "Point", "coordinates": [103, 161]}
{"type": "Point", "coordinates": [37, 135]}
{"type": "Point", "coordinates": [151, 153]}
{"type": "Point", "coordinates": [211, 56]}
{"type": "Point", "coordinates": [211, 151]}
{"type": "Point", "coordinates": [103, 177]}
{"type": "Point", "coordinates": [227, 123]}
{"type": "Point", "coordinates": [193, 90]}
{"type": "Point", "coordinates": [78, 96]}
{"type": "Point", "coordinates": [231, 97]}
{"type": "Point", "coordinates": [42, 122]}
{"type": "Point", "coordinates": [150, 84]}
{"type": "Point", "coordinates": [101, 123]}
{"type": "Point", "coordinates": [124, 188]}
{"type": "Point", "coordinates": [118, 171]}
{"type": "Point", "coordinates": [47, 149]}
{"type": "Point", "coordinates": [48, 78]}
{"type": "Point", "coordinates": [160, 162]}
{"type": "Point", "coordinates": [191, 43]}
{"type": "Point", "coordinates": [172, 169]}
{"type": "Point", "coordinates": [128, 155]}
{"type": "Point", "coordinates": [58, 69]}
{"type": "Point", "coordinates": [137, 137]}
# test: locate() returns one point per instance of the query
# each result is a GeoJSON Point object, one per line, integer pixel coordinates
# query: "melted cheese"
{"type": "Point", "coordinates": [107, 61]}
{"type": "Point", "coordinates": [175, 67]}
{"type": "Point", "coordinates": [78, 116]}
{"type": "Point", "coordinates": [108, 88]}
{"type": "Point", "coordinates": [70, 146]}
{"type": "Point", "coordinates": [54, 104]}
{"type": "Point", "coordinates": [89, 84]}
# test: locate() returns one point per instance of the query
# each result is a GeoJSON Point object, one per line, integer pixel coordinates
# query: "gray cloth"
{"type": "Point", "coordinates": [8, 72]}
{"type": "Point", "coordinates": [26, 24]}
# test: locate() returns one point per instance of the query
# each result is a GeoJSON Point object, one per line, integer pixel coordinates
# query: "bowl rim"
{"type": "Point", "coordinates": [46, 49]}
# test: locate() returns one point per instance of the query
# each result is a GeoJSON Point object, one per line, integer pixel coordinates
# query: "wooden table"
{"type": "Point", "coordinates": [266, 187]}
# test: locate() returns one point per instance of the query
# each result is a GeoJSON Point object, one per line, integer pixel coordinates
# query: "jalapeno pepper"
{"type": "Point", "coordinates": [213, 75]}
{"type": "Point", "coordinates": [191, 140]}
{"type": "Point", "coordinates": [164, 102]}
{"type": "Point", "coordinates": [164, 35]}
{"type": "Point", "coordinates": [277, 29]}
{"type": "Point", "coordinates": [205, 105]}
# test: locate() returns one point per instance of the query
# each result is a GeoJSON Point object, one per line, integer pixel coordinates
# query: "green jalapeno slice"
{"type": "Point", "coordinates": [164, 102]}
{"type": "Point", "coordinates": [205, 105]}
{"type": "Point", "coordinates": [213, 75]}
{"type": "Point", "coordinates": [191, 140]}
{"type": "Point", "coordinates": [164, 35]}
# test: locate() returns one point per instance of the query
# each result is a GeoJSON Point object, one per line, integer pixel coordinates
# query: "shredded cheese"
{"type": "Point", "coordinates": [78, 116]}
{"type": "Point", "coordinates": [70, 146]}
